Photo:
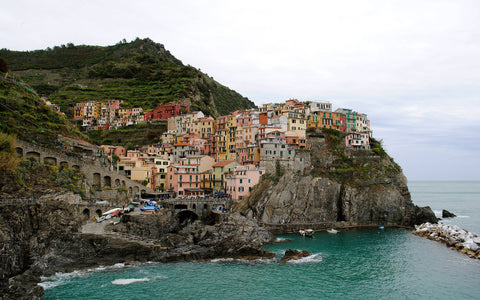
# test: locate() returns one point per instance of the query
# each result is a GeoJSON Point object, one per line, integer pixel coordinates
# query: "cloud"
{"type": "Point", "coordinates": [411, 65]}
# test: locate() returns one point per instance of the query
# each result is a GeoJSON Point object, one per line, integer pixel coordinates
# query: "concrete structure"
{"type": "Point", "coordinates": [100, 181]}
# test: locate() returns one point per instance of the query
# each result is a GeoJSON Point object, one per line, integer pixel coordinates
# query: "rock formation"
{"type": "Point", "coordinates": [453, 236]}
{"type": "Point", "coordinates": [361, 189]}
{"type": "Point", "coordinates": [447, 214]}
{"type": "Point", "coordinates": [45, 237]}
{"type": "Point", "coordinates": [292, 254]}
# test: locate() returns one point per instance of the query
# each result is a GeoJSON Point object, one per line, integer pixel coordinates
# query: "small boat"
{"type": "Point", "coordinates": [332, 231]}
{"type": "Point", "coordinates": [219, 209]}
{"type": "Point", "coordinates": [149, 209]}
{"type": "Point", "coordinates": [112, 212]}
{"type": "Point", "coordinates": [381, 227]}
{"type": "Point", "coordinates": [306, 232]}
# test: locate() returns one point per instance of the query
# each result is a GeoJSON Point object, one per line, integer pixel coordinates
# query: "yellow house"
{"type": "Point", "coordinates": [219, 170]}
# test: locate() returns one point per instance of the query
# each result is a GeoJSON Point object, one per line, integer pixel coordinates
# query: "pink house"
{"type": "Point", "coordinates": [357, 141]}
{"type": "Point", "coordinates": [241, 182]}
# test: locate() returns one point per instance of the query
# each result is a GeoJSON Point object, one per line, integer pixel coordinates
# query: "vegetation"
{"type": "Point", "coordinates": [68, 178]}
{"type": "Point", "coordinates": [24, 115]}
{"type": "Point", "coordinates": [9, 159]}
{"type": "Point", "coordinates": [355, 166]}
{"type": "Point", "coordinates": [140, 134]}
{"type": "Point", "coordinates": [141, 73]}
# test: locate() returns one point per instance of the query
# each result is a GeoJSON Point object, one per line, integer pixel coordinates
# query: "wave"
{"type": "Point", "coordinates": [281, 240]}
{"type": "Point", "coordinates": [59, 279]}
{"type": "Point", "coordinates": [245, 261]}
{"type": "Point", "coordinates": [314, 258]}
{"type": "Point", "coordinates": [129, 281]}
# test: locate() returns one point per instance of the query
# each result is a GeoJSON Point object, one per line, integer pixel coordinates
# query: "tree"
{"type": "Point", "coordinates": [3, 66]}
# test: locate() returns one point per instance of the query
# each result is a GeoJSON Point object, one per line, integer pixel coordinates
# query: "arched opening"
{"type": "Point", "coordinates": [19, 151]}
{"type": "Point", "coordinates": [123, 183]}
{"type": "Point", "coordinates": [107, 182]}
{"type": "Point", "coordinates": [130, 191]}
{"type": "Point", "coordinates": [86, 214]}
{"type": "Point", "coordinates": [76, 167]}
{"type": "Point", "coordinates": [186, 217]}
{"type": "Point", "coordinates": [117, 182]}
{"type": "Point", "coordinates": [33, 155]}
{"type": "Point", "coordinates": [63, 164]}
{"type": "Point", "coordinates": [205, 206]}
{"type": "Point", "coordinates": [50, 160]}
{"type": "Point", "coordinates": [98, 212]}
{"type": "Point", "coordinates": [96, 181]}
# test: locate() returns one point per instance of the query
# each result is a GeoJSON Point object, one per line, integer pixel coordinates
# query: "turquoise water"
{"type": "Point", "coordinates": [357, 264]}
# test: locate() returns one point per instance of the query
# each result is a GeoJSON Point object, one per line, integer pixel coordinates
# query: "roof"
{"type": "Point", "coordinates": [223, 163]}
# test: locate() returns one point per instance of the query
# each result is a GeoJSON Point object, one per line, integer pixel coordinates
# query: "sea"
{"type": "Point", "coordinates": [356, 264]}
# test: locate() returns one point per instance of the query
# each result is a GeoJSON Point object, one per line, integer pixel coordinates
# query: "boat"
{"type": "Point", "coordinates": [112, 212]}
{"type": "Point", "coordinates": [381, 227]}
{"type": "Point", "coordinates": [332, 231]}
{"type": "Point", "coordinates": [219, 209]}
{"type": "Point", "coordinates": [149, 209]}
{"type": "Point", "coordinates": [306, 232]}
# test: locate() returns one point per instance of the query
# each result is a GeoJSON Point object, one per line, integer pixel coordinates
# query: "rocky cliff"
{"type": "Point", "coordinates": [42, 238]}
{"type": "Point", "coordinates": [339, 188]}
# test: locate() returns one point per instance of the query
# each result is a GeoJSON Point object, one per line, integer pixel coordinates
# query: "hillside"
{"type": "Point", "coordinates": [141, 73]}
{"type": "Point", "coordinates": [24, 115]}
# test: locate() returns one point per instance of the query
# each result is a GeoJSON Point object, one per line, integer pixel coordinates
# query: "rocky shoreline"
{"type": "Point", "coordinates": [453, 236]}
{"type": "Point", "coordinates": [45, 238]}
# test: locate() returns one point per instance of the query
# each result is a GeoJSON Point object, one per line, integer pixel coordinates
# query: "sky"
{"type": "Point", "coordinates": [412, 66]}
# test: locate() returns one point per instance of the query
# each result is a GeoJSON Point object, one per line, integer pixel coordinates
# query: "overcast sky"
{"type": "Point", "coordinates": [412, 66]}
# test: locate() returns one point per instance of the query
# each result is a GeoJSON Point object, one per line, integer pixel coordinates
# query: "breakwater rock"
{"type": "Point", "coordinates": [453, 236]}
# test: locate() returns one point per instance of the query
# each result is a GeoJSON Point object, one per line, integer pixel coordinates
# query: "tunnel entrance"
{"type": "Point", "coordinates": [86, 214]}
{"type": "Point", "coordinates": [186, 217]}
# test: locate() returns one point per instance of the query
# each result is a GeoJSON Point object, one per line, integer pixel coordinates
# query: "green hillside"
{"type": "Point", "coordinates": [24, 115]}
{"type": "Point", "coordinates": [141, 73]}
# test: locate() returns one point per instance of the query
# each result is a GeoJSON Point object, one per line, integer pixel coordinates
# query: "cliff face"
{"type": "Point", "coordinates": [45, 237]}
{"type": "Point", "coordinates": [354, 189]}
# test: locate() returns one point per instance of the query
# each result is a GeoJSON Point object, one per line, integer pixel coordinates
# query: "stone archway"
{"type": "Point", "coordinates": [63, 164]}
{"type": "Point", "coordinates": [96, 181]}
{"type": "Point", "coordinates": [186, 217]}
{"type": "Point", "coordinates": [49, 160]}
{"type": "Point", "coordinates": [107, 182]}
{"type": "Point", "coordinates": [99, 212]}
{"type": "Point", "coordinates": [19, 151]}
{"type": "Point", "coordinates": [33, 155]}
{"type": "Point", "coordinates": [86, 214]}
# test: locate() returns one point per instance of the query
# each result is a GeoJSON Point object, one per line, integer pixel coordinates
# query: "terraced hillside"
{"type": "Point", "coordinates": [141, 73]}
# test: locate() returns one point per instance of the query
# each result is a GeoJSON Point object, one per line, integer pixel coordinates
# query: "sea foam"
{"type": "Point", "coordinates": [314, 258]}
{"type": "Point", "coordinates": [128, 281]}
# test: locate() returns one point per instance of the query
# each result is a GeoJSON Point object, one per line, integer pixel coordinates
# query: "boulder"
{"type": "Point", "coordinates": [292, 254]}
{"type": "Point", "coordinates": [447, 214]}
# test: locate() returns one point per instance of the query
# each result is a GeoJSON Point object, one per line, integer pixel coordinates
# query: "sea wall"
{"type": "Point", "coordinates": [453, 236]}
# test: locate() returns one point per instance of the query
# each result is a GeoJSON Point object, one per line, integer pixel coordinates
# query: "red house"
{"type": "Point", "coordinates": [167, 110]}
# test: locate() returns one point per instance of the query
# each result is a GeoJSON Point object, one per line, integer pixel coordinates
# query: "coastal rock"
{"type": "Point", "coordinates": [324, 197]}
{"type": "Point", "coordinates": [293, 254]}
{"type": "Point", "coordinates": [452, 235]}
{"type": "Point", "coordinates": [447, 214]}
